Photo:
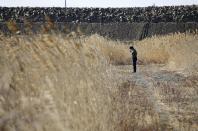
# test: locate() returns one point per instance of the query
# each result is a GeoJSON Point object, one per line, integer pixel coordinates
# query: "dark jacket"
{"type": "Point", "coordinates": [134, 55]}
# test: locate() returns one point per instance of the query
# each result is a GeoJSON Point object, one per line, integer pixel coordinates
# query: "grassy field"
{"type": "Point", "coordinates": [57, 82]}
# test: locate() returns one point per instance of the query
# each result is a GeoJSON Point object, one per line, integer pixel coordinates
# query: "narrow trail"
{"type": "Point", "coordinates": [146, 79]}
{"type": "Point", "coordinates": [166, 120]}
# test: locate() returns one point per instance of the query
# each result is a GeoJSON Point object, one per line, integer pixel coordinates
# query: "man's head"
{"type": "Point", "coordinates": [131, 48]}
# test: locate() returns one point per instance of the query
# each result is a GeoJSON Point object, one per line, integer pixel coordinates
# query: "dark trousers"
{"type": "Point", "coordinates": [134, 65]}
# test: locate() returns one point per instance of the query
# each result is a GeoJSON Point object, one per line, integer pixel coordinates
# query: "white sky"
{"type": "Point", "coordinates": [95, 3]}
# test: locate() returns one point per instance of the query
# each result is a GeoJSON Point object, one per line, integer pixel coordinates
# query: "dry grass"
{"type": "Point", "coordinates": [155, 99]}
{"type": "Point", "coordinates": [116, 52]}
{"type": "Point", "coordinates": [175, 91]}
{"type": "Point", "coordinates": [180, 97]}
{"type": "Point", "coordinates": [56, 82]}
{"type": "Point", "coordinates": [178, 51]}
{"type": "Point", "coordinates": [134, 109]}
{"type": "Point", "coordinates": [12, 26]}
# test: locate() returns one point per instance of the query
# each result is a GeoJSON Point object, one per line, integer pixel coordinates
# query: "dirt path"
{"type": "Point", "coordinates": [166, 120]}
{"type": "Point", "coordinates": [146, 78]}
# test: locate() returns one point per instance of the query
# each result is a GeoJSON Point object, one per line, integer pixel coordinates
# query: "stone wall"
{"type": "Point", "coordinates": [119, 31]}
{"type": "Point", "coordinates": [101, 15]}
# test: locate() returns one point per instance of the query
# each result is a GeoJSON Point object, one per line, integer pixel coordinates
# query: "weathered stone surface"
{"type": "Point", "coordinates": [119, 31]}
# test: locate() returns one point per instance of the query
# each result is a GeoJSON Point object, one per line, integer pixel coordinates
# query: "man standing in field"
{"type": "Point", "coordinates": [134, 57]}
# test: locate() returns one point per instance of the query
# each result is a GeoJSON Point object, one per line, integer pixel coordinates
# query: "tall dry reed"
{"type": "Point", "coordinates": [52, 82]}
{"type": "Point", "coordinates": [178, 51]}
{"type": "Point", "coordinates": [57, 82]}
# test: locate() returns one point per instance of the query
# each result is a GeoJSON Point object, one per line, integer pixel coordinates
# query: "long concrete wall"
{"type": "Point", "coordinates": [120, 31]}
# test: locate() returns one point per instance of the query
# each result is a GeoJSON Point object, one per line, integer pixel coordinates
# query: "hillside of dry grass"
{"type": "Point", "coordinates": [63, 82]}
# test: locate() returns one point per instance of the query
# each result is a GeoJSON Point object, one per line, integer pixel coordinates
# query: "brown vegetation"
{"type": "Point", "coordinates": [178, 51]}
{"type": "Point", "coordinates": [69, 82]}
